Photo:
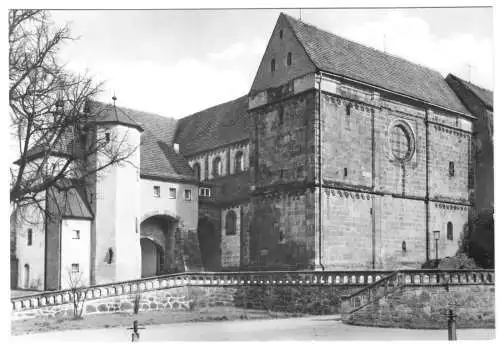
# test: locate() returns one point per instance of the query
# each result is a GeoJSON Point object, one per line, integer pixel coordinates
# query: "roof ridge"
{"type": "Point", "coordinates": [213, 107]}
{"type": "Point", "coordinates": [288, 17]}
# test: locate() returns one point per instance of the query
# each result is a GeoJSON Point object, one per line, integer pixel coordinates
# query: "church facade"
{"type": "Point", "coordinates": [339, 157]}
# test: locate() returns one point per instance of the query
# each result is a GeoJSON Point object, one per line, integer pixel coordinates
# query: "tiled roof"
{"type": "Point", "coordinates": [69, 203]}
{"type": "Point", "coordinates": [334, 54]}
{"type": "Point", "coordinates": [158, 158]}
{"type": "Point", "coordinates": [485, 95]}
{"type": "Point", "coordinates": [107, 113]}
{"type": "Point", "coordinates": [214, 127]}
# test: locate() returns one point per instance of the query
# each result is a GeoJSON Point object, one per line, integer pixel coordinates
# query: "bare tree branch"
{"type": "Point", "coordinates": [58, 141]}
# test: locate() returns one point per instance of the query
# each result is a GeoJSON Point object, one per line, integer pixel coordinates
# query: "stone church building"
{"type": "Point", "coordinates": [339, 157]}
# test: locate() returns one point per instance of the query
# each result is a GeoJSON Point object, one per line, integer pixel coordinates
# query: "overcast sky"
{"type": "Point", "coordinates": [177, 62]}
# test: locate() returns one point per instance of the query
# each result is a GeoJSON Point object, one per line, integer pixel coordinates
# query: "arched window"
{"type": "Point", "coordinates": [217, 166]}
{"type": "Point", "coordinates": [449, 231]}
{"type": "Point", "coordinates": [196, 170]}
{"type": "Point", "coordinates": [230, 223]}
{"type": "Point", "coordinates": [30, 236]}
{"type": "Point", "coordinates": [238, 162]}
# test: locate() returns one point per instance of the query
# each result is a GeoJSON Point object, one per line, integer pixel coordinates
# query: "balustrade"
{"type": "Point", "coordinates": [376, 285]}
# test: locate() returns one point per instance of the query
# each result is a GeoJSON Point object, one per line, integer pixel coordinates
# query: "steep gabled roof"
{"type": "Point", "coordinates": [214, 127]}
{"type": "Point", "coordinates": [158, 158]}
{"type": "Point", "coordinates": [485, 95]}
{"type": "Point", "coordinates": [334, 54]}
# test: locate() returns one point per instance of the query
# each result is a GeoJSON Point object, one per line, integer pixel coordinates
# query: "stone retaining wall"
{"type": "Point", "coordinates": [292, 298]}
{"type": "Point", "coordinates": [425, 307]}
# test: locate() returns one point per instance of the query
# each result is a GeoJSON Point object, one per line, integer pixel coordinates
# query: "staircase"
{"type": "Point", "coordinates": [371, 293]}
{"type": "Point", "coordinates": [412, 278]}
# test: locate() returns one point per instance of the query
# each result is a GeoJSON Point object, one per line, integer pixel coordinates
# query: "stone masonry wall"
{"type": "Point", "coordinates": [448, 145]}
{"type": "Point", "coordinates": [290, 298]}
{"type": "Point", "coordinates": [284, 141]}
{"type": "Point", "coordinates": [347, 229]}
{"type": "Point", "coordinates": [281, 230]}
{"type": "Point", "coordinates": [400, 220]}
{"type": "Point", "coordinates": [346, 141]}
{"type": "Point", "coordinates": [425, 308]}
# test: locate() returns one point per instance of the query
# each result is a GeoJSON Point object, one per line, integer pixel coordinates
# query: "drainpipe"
{"type": "Point", "coordinates": [372, 209]}
{"type": "Point", "coordinates": [427, 186]}
{"type": "Point", "coordinates": [320, 173]}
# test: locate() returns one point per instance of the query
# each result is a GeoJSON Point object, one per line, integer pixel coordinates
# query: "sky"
{"type": "Point", "coordinates": [177, 62]}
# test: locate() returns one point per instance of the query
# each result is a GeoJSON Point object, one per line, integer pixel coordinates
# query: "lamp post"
{"type": "Point", "coordinates": [436, 238]}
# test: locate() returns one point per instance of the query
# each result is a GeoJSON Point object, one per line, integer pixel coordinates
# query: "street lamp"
{"type": "Point", "coordinates": [436, 238]}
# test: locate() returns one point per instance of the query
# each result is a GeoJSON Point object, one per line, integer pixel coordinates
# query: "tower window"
{"type": "Point", "coordinates": [109, 256]}
{"type": "Point", "coordinates": [289, 59]}
{"type": "Point", "coordinates": [451, 168]}
{"type": "Point", "coordinates": [449, 231]}
{"type": "Point", "coordinates": [230, 223]}
{"type": "Point", "coordinates": [403, 247]}
{"type": "Point", "coordinates": [108, 136]}
{"type": "Point", "coordinates": [281, 33]}
{"type": "Point", "coordinates": [188, 195]}
{"type": "Point", "coordinates": [156, 191]}
{"type": "Point", "coordinates": [30, 236]}
{"type": "Point", "coordinates": [273, 65]}
{"type": "Point", "coordinates": [345, 172]}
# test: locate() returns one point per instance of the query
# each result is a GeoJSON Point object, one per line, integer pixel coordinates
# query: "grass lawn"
{"type": "Point", "coordinates": [101, 321]}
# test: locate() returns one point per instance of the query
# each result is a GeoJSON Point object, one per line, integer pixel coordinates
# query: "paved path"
{"type": "Point", "coordinates": [308, 328]}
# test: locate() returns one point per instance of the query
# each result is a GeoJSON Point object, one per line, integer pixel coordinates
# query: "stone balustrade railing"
{"type": "Point", "coordinates": [402, 278]}
{"type": "Point", "coordinates": [263, 278]}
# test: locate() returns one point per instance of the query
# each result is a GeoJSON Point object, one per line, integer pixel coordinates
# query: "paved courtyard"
{"type": "Point", "coordinates": [307, 328]}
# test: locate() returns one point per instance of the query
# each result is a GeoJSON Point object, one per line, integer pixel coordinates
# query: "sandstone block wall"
{"type": "Point", "coordinates": [283, 141]}
{"type": "Point", "coordinates": [425, 308]}
{"type": "Point", "coordinates": [281, 229]}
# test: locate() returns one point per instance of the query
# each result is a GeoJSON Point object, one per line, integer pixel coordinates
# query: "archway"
{"type": "Point", "coordinates": [209, 245]}
{"type": "Point", "coordinates": [151, 257]}
{"type": "Point", "coordinates": [157, 245]}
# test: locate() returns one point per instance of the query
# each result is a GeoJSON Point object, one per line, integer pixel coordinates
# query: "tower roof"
{"type": "Point", "coordinates": [110, 114]}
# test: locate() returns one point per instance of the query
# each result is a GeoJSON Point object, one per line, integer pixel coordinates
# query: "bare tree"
{"type": "Point", "coordinates": [77, 287]}
{"type": "Point", "coordinates": [52, 117]}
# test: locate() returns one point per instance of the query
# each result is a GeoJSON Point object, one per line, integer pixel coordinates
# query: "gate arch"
{"type": "Point", "coordinates": [157, 239]}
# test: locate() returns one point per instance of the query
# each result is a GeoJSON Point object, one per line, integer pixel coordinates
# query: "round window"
{"type": "Point", "coordinates": [400, 142]}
